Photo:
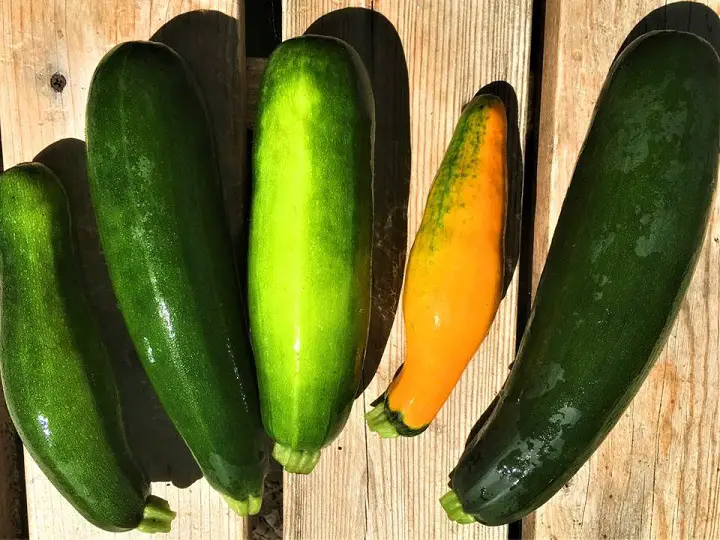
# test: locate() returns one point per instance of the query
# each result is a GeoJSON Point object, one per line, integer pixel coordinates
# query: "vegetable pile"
{"type": "Point", "coordinates": [286, 361]}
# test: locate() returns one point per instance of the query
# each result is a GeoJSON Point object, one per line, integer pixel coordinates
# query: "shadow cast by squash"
{"type": "Point", "coordinates": [513, 218]}
{"type": "Point", "coordinates": [379, 46]}
{"type": "Point", "coordinates": [152, 438]}
{"type": "Point", "coordinates": [208, 41]}
{"type": "Point", "coordinates": [690, 17]}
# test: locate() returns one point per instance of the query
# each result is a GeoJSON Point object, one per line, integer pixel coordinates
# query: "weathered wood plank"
{"type": "Point", "coordinates": [331, 502]}
{"type": "Point", "coordinates": [46, 37]}
{"type": "Point", "coordinates": [658, 473]}
{"type": "Point", "coordinates": [453, 49]}
{"type": "Point", "coordinates": [426, 59]}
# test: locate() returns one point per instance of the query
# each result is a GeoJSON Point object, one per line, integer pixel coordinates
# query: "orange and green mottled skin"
{"type": "Point", "coordinates": [157, 195]}
{"type": "Point", "coordinates": [310, 242]}
{"type": "Point", "coordinates": [624, 249]}
{"type": "Point", "coordinates": [56, 375]}
{"type": "Point", "coordinates": [453, 283]}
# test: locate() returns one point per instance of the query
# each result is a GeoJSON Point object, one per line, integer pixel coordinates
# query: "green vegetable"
{"type": "Point", "coordinates": [623, 253]}
{"type": "Point", "coordinates": [156, 191]}
{"type": "Point", "coordinates": [56, 375]}
{"type": "Point", "coordinates": [310, 243]}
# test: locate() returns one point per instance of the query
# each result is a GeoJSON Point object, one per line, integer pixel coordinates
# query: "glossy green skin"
{"type": "Point", "coordinates": [56, 375]}
{"type": "Point", "coordinates": [624, 249]}
{"type": "Point", "coordinates": [156, 192]}
{"type": "Point", "coordinates": [310, 238]}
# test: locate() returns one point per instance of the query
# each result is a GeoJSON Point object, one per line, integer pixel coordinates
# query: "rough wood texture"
{"type": "Point", "coordinates": [658, 473]}
{"type": "Point", "coordinates": [331, 502]}
{"type": "Point", "coordinates": [68, 38]}
{"type": "Point", "coordinates": [425, 59]}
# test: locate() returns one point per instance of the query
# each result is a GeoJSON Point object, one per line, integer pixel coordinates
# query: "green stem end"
{"type": "Point", "coordinates": [245, 507]}
{"type": "Point", "coordinates": [157, 516]}
{"type": "Point", "coordinates": [295, 461]}
{"type": "Point", "coordinates": [453, 507]}
{"type": "Point", "coordinates": [378, 420]}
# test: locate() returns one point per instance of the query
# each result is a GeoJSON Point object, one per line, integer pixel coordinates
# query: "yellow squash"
{"type": "Point", "coordinates": [454, 277]}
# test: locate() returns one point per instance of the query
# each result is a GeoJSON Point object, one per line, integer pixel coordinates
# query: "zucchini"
{"type": "Point", "coordinates": [56, 375]}
{"type": "Point", "coordinates": [454, 278]}
{"type": "Point", "coordinates": [310, 243]}
{"type": "Point", "coordinates": [156, 191]}
{"type": "Point", "coordinates": [621, 258]}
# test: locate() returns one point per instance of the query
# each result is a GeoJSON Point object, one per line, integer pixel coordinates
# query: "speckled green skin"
{"type": "Point", "coordinates": [156, 192]}
{"type": "Point", "coordinates": [56, 375]}
{"type": "Point", "coordinates": [624, 250]}
{"type": "Point", "coordinates": [310, 238]}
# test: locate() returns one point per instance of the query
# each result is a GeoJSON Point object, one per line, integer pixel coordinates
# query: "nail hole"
{"type": "Point", "coordinates": [58, 82]}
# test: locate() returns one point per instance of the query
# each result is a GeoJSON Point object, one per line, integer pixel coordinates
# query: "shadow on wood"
{"type": "Point", "coordinates": [153, 440]}
{"type": "Point", "coordinates": [513, 218]}
{"type": "Point", "coordinates": [13, 510]}
{"type": "Point", "coordinates": [209, 43]}
{"type": "Point", "coordinates": [379, 46]}
{"type": "Point", "coordinates": [690, 17]}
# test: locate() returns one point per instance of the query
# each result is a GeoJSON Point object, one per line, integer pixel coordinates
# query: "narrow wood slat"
{"type": "Point", "coordinates": [453, 49]}
{"type": "Point", "coordinates": [426, 60]}
{"type": "Point", "coordinates": [330, 503]}
{"type": "Point", "coordinates": [658, 473]}
{"type": "Point", "coordinates": [68, 37]}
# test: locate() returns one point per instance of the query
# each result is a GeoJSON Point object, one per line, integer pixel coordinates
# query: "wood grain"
{"type": "Point", "coordinates": [448, 51]}
{"type": "Point", "coordinates": [68, 37]}
{"type": "Point", "coordinates": [331, 502]}
{"type": "Point", "coordinates": [658, 473]}
{"type": "Point", "coordinates": [453, 49]}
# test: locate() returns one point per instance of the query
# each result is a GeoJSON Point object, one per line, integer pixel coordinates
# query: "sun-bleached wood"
{"type": "Point", "coordinates": [453, 49]}
{"type": "Point", "coordinates": [657, 475]}
{"type": "Point", "coordinates": [375, 488]}
{"type": "Point", "coordinates": [331, 502]}
{"type": "Point", "coordinates": [44, 37]}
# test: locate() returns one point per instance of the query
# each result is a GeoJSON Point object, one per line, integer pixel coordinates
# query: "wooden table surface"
{"type": "Point", "coordinates": [657, 474]}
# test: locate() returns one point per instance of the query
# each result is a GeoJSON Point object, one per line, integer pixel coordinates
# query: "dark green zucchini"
{"type": "Point", "coordinates": [623, 253]}
{"type": "Point", "coordinates": [156, 191]}
{"type": "Point", "coordinates": [56, 375]}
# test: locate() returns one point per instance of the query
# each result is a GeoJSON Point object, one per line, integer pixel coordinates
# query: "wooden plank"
{"type": "Point", "coordinates": [425, 59]}
{"type": "Point", "coordinates": [658, 473]}
{"type": "Point", "coordinates": [329, 503]}
{"type": "Point", "coordinates": [68, 37]}
{"type": "Point", "coordinates": [452, 50]}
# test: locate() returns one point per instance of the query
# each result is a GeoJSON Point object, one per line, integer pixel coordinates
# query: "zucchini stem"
{"type": "Point", "coordinates": [378, 421]}
{"type": "Point", "coordinates": [295, 461]}
{"type": "Point", "coordinates": [245, 507]}
{"type": "Point", "coordinates": [453, 507]}
{"type": "Point", "coordinates": [157, 516]}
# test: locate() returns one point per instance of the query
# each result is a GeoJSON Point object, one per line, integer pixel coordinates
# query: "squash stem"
{"type": "Point", "coordinates": [245, 507]}
{"type": "Point", "coordinates": [378, 421]}
{"type": "Point", "coordinates": [453, 507]}
{"type": "Point", "coordinates": [295, 461]}
{"type": "Point", "coordinates": [157, 516]}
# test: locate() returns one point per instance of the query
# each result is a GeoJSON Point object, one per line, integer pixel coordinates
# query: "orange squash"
{"type": "Point", "coordinates": [454, 277]}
